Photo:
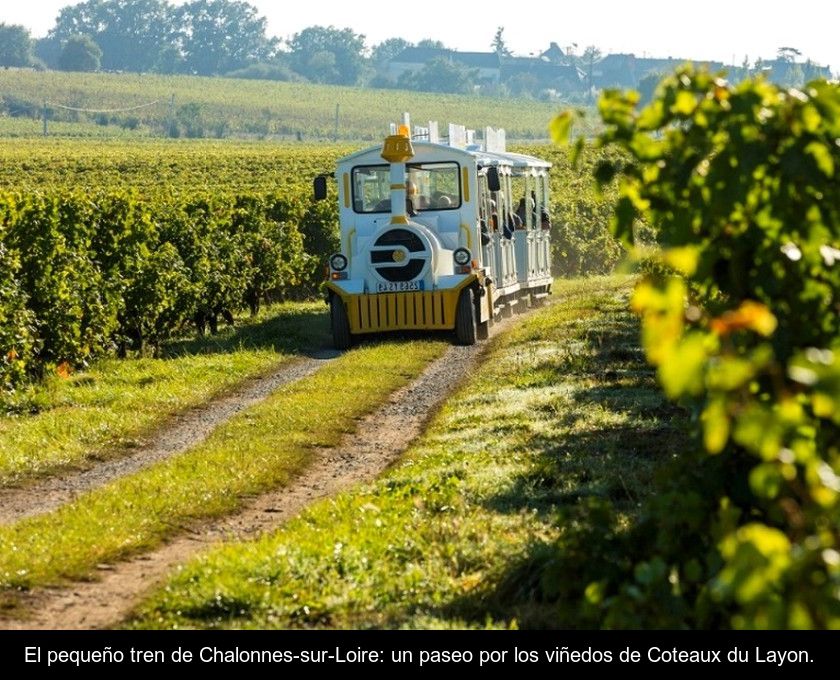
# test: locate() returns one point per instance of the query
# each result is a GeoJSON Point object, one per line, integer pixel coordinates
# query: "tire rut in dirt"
{"type": "Point", "coordinates": [378, 441]}
{"type": "Point", "coordinates": [185, 431]}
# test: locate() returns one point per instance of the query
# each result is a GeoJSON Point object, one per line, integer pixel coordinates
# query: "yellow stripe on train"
{"type": "Point", "coordinates": [422, 310]}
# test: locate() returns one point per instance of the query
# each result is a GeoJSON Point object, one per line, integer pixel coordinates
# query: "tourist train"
{"type": "Point", "coordinates": [438, 235]}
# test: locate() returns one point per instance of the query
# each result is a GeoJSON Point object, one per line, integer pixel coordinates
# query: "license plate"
{"type": "Point", "coordinates": [399, 286]}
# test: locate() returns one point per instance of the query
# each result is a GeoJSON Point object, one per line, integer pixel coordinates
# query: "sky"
{"type": "Point", "coordinates": [714, 30]}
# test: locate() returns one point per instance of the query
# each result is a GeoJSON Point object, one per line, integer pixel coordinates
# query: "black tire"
{"type": "Point", "coordinates": [465, 319]}
{"type": "Point", "coordinates": [340, 324]}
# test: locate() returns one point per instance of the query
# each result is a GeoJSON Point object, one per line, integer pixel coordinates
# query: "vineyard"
{"type": "Point", "coordinates": [117, 248]}
{"type": "Point", "coordinates": [224, 107]}
{"type": "Point", "coordinates": [656, 450]}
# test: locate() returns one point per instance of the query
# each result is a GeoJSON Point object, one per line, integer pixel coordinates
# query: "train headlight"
{"type": "Point", "coordinates": [462, 256]}
{"type": "Point", "coordinates": [338, 262]}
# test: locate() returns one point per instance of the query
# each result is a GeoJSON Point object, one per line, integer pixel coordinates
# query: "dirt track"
{"type": "Point", "coordinates": [378, 441]}
{"type": "Point", "coordinates": [185, 431]}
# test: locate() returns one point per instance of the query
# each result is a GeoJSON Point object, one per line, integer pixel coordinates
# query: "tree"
{"type": "Point", "coordinates": [170, 60]}
{"type": "Point", "coordinates": [523, 84]}
{"type": "Point", "coordinates": [80, 53]}
{"type": "Point", "coordinates": [439, 75]}
{"type": "Point", "coordinates": [385, 51]}
{"type": "Point", "coordinates": [311, 50]}
{"type": "Point", "coordinates": [429, 44]}
{"type": "Point", "coordinates": [15, 46]}
{"type": "Point", "coordinates": [218, 36]}
{"type": "Point", "coordinates": [788, 54]}
{"type": "Point", "coordinates": [48, 51]}
{"type": "Point", "coordinates": [498, 45]}
{"type": "Point", "coordinates": [591, 55]}
{"type": "Point", "coordinates": [132, 34]}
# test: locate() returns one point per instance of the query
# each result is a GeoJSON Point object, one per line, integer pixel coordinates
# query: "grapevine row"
{"type": "Point", "coordinates": [86, 275]}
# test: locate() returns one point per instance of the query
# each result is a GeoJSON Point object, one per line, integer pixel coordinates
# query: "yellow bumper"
{"type": "Point", "coordinates": [422, 310]}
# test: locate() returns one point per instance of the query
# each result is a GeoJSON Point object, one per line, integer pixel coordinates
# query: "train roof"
{"type": "Point", "coordinates": [425, 152]}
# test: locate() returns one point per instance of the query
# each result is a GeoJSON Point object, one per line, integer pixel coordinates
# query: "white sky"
{"type": "Point", "coordinates": [717, 30]}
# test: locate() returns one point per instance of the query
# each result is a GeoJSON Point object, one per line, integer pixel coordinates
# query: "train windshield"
{"type": "Point", "coordinates": [431, 186]}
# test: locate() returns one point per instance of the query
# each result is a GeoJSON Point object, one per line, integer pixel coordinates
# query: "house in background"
{"type": "Point", "coordinates": [789, 72]}
{"type": "Point", "coordinates": [485, 64]}
{"type": "Point", "coordinates": [551, 69]}
{"type": "Point", "coordinates": [554, 70]}
{"type": "Point", "coordinates": [627, 70]}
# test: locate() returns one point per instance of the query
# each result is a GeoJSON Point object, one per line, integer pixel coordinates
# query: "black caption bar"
{"type": "Point", "coordinates": [416, 650]}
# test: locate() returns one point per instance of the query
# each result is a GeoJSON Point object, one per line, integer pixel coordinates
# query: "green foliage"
{"type": "Point", "coordinates": [217, 36]}
{"type": "Point", "coordinates": [130, 33]}
{"type": "Point", "coordinates": [207, 37]}
{"type": "Point", "coordinates": [499, 45]}
{"type": "Point", "coordinates": [742, 319]}
{"type": "Point", "coordinates": [80, 53]}
{"type": "Point", "coordinates": [17, 342]}
{"type": "Point", "coordinates": [15, 45]}
{"type": "Point", "coordinates": [387, 50]}
{"type": "Point", "coordinates": [73, 306]}
{"type": "Point", "coordinates": [328, 54]}
{"type": "Point", "coordinates": [85, 275]}
{"type": "Point", "coordinates": [439, 75]}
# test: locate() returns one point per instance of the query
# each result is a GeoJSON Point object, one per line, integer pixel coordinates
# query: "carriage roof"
{"type": "Point", "coordinates": [427, 152]}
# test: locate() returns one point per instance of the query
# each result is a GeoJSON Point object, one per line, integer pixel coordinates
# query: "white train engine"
{"type": "Point", "coordinates": [431, 238]}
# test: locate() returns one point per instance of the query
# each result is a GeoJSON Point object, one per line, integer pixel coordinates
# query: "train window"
{"type": "Point", "coordinates": [434, 186]}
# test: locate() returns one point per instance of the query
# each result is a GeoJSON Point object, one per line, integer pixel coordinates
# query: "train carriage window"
{"type": "Point", "coordinates": [435, 186]}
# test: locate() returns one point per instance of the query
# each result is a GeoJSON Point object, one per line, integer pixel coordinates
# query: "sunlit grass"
{"type": "Point", "coordinates": [107, 409]}
{"type": "Point", "coordinates": [257, 450]}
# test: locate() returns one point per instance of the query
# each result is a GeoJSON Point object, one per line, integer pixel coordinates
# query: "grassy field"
{"type": "Point", "coordinates": [462, 533]}
{"type": "Point", "coordinates": [258, 449]}
{"type": "Point", "coordinates": [67, 422]}
{"type": "Point", "coordinates": [219, 107]}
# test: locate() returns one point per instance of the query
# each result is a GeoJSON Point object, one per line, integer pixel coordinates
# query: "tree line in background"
{"type": "Point", "coordinates": [228, 37]}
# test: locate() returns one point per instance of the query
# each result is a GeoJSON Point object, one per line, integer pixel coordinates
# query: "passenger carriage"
{"type": "Point", "coordinates": [437, 236]}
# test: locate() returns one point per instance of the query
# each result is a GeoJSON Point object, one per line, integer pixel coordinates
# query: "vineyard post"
{"type": "Point", "coordinates": [46, 131]}
{"type": "Point", "coordinates": [335, 135]}
{"type": "Point", "coordinates": [171, 120]}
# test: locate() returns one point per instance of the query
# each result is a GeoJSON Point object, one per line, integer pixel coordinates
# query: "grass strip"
{"type": "Point", "coordinates": [259, 449]}
{"type": "Point", "coordinates": [564, 410]}
{"type": "Point", "coordinates": [69, 422]}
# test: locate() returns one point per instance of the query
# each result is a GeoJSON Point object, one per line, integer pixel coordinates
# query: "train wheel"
{"type": "Point", "coordinates": [465, 319]}
{"type": "Point", "coordinates": [340, 324]}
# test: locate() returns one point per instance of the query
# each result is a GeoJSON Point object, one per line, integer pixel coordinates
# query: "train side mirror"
{"type": "Point", "coordinates": [493, 183]}
{"type": "Point", "coordinates": [319, 186]}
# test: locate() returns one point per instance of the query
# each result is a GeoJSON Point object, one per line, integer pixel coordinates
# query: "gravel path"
{"type": "Point", "coordinates": [185, 431]}
{"type": "Point", "coordinates": [379, 440]}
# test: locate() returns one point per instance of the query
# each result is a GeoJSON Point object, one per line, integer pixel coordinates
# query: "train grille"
{"type": "Point", "coordinates": [389, 259]}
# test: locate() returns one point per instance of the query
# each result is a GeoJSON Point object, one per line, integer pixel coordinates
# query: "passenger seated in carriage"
{"type": "Point", "coordinates": [522, 211]}
{"type": "Point", "coordinates": [545, 220]}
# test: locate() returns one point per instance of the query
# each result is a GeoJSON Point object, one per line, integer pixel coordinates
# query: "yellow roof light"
{"type": "Point", "coordinates": [397, 149]}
